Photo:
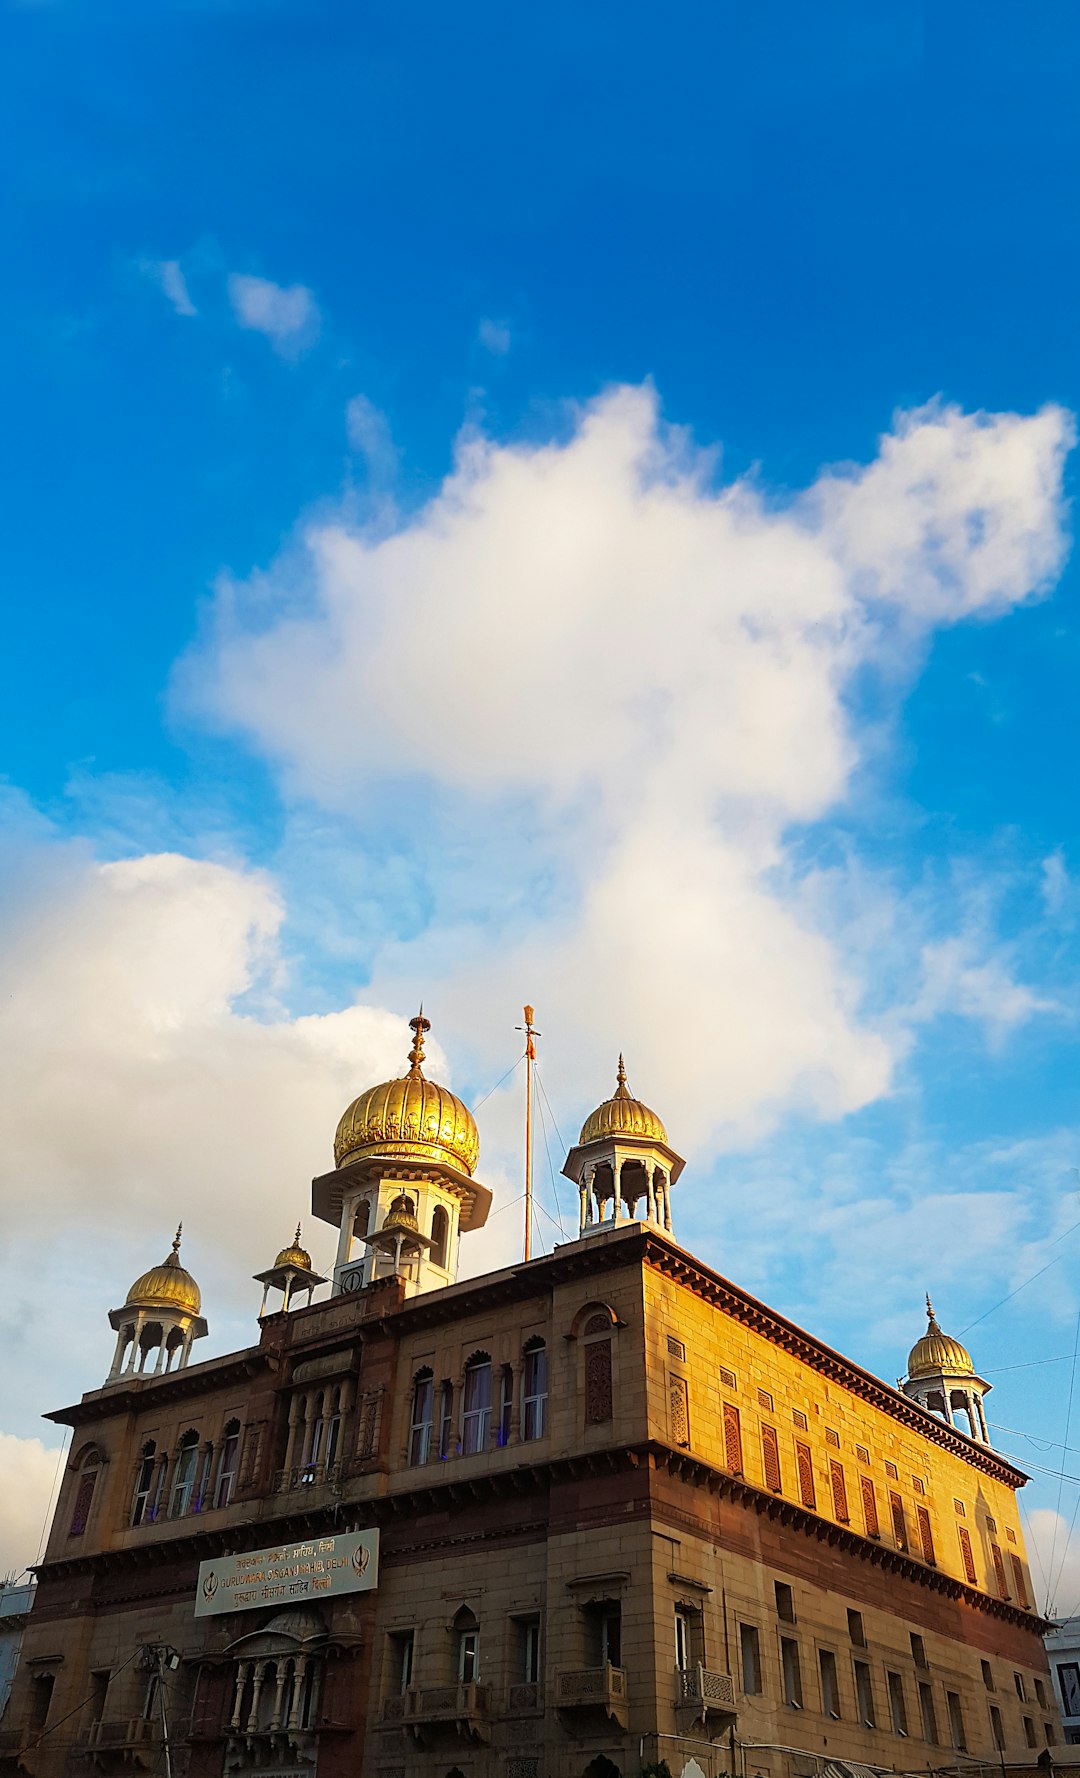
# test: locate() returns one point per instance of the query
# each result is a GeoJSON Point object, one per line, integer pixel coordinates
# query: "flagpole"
{"type": "Point", "coordinates": [531, 1034]}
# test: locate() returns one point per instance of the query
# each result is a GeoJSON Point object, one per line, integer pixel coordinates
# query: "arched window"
{"type": "Point", "coordinates": [597, 1322]}
{"type": "Point", "coordinates": [468, 1646]}
{"type": "Point", "coordinates": [187, 1458]}
{"type": "Point", "coordinates": [89, 1470]}
{"type": "Point", "coordinates": [144, 1483]}
{"type": "Point", "coordinates": [202, 1497]}
{"type": "Point", "coordinates": [227, 1463]}
{"type": "Point", "coordinates": [362, 1219]}
{"type": "Point", "coordinates": [476, 1404]}
{"type": "Point", "coordinates": [423, 1399]}
{"type": "Point", "coordinates": [534, 1391]}
{"type": "Point", "coordinates": [440, 1236]}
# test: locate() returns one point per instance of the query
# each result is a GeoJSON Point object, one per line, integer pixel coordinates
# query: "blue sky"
{"type": "Point", "coordinates": [363, 640]}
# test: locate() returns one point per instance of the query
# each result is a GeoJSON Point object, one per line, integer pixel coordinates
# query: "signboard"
{"type": "Point", "coordinates": [290, 1573]}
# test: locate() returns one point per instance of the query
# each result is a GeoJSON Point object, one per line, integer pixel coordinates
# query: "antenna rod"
{"type": "Point", "coordinates": [531, 1033]}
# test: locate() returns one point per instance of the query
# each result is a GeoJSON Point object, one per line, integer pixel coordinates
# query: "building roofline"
{"type": "Point", "coordinates": [129, 1393]}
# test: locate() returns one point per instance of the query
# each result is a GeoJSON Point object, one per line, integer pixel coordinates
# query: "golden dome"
{"type": "Point", "coordinates": [411, 1119]}
{"type": "Point", "coordinates": [937, 1351]}
{"type": "Point", "coordinates": [402, 1214]}
{"type": "Point", "coordinates": [622, 1115]}
{"type": "Point", "coordinates": [294, 1255]}
{"type": "Point", "coordinates": [167, 1286]}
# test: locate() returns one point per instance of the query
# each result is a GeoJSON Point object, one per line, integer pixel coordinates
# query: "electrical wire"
{"type": "Point", "coordinates": [81, 1706]}
{"type": "Point", "coordinates": [1061, 1483]}
{"type": "Point", "coordinates": [478, 1102]}
{"type": "Point", "coordinates": [1034, 1550]}
{"type": "Point", "coordinates": [51, 1502]}
{"type": "Point", "coordinates": [1008, 1299]}
{"type": "Point", "coordinates": [562, 1144]}
{"type": "Point", "coordinates": [551, 1169]}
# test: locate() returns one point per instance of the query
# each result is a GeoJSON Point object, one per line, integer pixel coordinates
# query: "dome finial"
{"type": "Point", "coordinates": [622, 1091]}
{"type": "Point", "coordinates": [929, 1308]}
{"type": "Point", "coordinates": [418, 1026]}
{"type": "Point", "coordinates": [176, 1237]}
{"type": "Point", "coordinates": [296, 1237]}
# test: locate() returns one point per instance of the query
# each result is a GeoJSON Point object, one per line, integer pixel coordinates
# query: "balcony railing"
{"type": "Point", "coordinates": [593, 1688]}
{"type": "Point", "coordinates": [704, 1690]}
{"type": "Point", "coordinates": [306, 1475]}
{"type": "Point", "coordinates": [465, 1708]}
{"type": "Point", "coordinates": [126, 1740]}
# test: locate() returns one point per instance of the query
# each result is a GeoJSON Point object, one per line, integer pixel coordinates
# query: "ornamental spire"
{"type": "Point", "coordinates": [622, 1091]}
{"type": "Point", "coordinates": [418, 1026]}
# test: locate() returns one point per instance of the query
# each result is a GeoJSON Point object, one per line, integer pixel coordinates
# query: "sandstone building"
{"type": "Point", "coordinates": [570, 1518]}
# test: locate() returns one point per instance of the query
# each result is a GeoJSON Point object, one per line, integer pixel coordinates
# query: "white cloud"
{"type": "Point", "coordinates": [168, 274]}
{"type": "Point", "coordinates": [289, 317]}
{"type": "Point", "coordinates": [1053, 1541]}
{"type": "Point", "coordinates": [957, 979]}
{"type": "Point", "coordinates": [645, 681]}
{"type": "Point", "coordinates": [370, 437]}
{"type": "Point", "coordinates": [29, 1472]}
{"type": "Point", "coordinates": [494, 336]}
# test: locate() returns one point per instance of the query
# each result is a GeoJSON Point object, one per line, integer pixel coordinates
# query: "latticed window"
{"type": "Point", "coordinates": [839, 1491]}
{"type": "Point", "coordinates": [799, 1418]}
{"type": "Point", "coordinates": [598, 1394]}
{"type": "Point", "coordinates": [899, 1522]}
{"type": "Point", "coordinates": [999, 1571]}
{"type": "Point", "coordinates": [732, 1439]}
{"type": "Point", "coordinates": [832, 1438]}
{"type": "Point", "coordinates": [926, 1536]}
{"type": "Point", "coordinates": [84, 1495]}
{"type": "Point", "coordinates": [765, 1400]}
{"type": "Point", "coordinates": [869, 1507]}
{"type": "Point", "coordinates": [804, 1463]}
{"type": "Point", "coordinates": [727, 1378]}
{"type": "Point", "coordinates": [680, 1418]}
{"type": "Point", "coordinates": [1019, 1582]}
{"type": "Point", "coordinates": [770, 1458]}
{"type": "Point", "coordinates": [966, 1553]}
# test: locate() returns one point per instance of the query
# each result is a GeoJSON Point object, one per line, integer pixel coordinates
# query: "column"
{"type": "Point", "coordinates": [982, 1419]}
{"type": "Point", "coordinates": [257, 1684]}
{"type": "Point", "coordinates": [288, 1292]}
{"type": "Point", "coordinates": [345, 1237]}
{"type": "Point", "coordinates": [590, 1196]}
{"type": "Point", "coordinates": [139, 1319]}
{"type": "Point", "coordinates": [299, 1674]}
{"type": "Point", "coordinates": [242, 1672]}
{"type": "Point", "coordinates": [282, 1675]}
{"type": "Point", "coordinates": [518, 1369]}
{"type": "Point", "coordinates": [650, 1201]}
{"type": "Point", "coordinates": [262, 1305]}
{"type": "Point", "coordinates": [290, 1445]}
{"type": "Point", "coordinates": [667, 1203]}
{"type": "Point", "coordinates": [583, 1194]}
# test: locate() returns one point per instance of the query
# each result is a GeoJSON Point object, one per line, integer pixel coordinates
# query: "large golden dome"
{"type": "Point", "coordinates": [409, 1119]}
{"type": "Point", "coordinates": [167, 1286]}
{"type": "Point", "coordinates": [622, 1115]}
{"type": "Point", "coordinates": [938, 1351]}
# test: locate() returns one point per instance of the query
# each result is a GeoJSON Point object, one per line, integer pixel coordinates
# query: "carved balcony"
{"type": "Point", "coordinates": [464, 1709]}
{"type": "Point", "coordinates": [601, 1689]}
{"type": "Point", "coordinates": [703, 1696]}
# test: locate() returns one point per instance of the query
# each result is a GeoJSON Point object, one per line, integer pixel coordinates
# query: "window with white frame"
{"type": "Point", "coordinates": [476, 1405]}
{"type": "Point", "coordinates": [227, 1463]}
{"type": "Point", "coordinates": [184, 1475]}
{"type": "Point", "coordinates": [423, 1402]}
{"type": "Point", "coordinates": [534, 1391]}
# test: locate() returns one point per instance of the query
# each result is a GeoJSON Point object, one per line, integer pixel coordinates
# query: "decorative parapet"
{"type": "Point", "coordinates": [593, 1688]}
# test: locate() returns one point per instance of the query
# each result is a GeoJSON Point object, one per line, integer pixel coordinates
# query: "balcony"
{"type": "Point", "coordinates": [123, 1741]}
{"type": "Point", "coordinates": [306, 1475]}
{"type": "Point", "coordinates": [464, 1709]}
{"type": "Point", "coordinates": [593, 1688]}
{"type": "Point", "coordinates": [701, 1694]}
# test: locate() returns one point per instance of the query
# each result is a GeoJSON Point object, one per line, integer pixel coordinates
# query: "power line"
{"type": "Point", "coordinates": [1065, 1447]}
{"type": "Point", "coordinates": [547, 1151]}
{"type": "Point", "coordinates": [1008, 1299]}
{"type": "Point", "coordinates": [477, 1103]}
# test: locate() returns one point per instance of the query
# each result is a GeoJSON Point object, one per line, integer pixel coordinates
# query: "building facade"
{"type": "Point", "coordinates": [566, 1520]}
{"type": "Point", "coordinates": [1063, 1648]}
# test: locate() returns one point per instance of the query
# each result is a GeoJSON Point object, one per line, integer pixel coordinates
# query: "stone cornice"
{"type": "Point", "coordinates": [128, 1394]}
{"type": "Point", "coordinates": [441, 1492]}
{"type": "Point", "coordinates": [683, 1268]}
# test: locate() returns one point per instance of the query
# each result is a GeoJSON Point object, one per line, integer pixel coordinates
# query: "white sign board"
{"type": "Point", "coordinates": [290, 1573]}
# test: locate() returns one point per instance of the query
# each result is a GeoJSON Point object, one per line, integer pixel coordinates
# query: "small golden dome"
{"type": "Point", "coordinates": [937, 1351]}
{"type": "Point", "coordinates": [294, 1255]}
{"type": "Point", "coordinates": [622, 1115]}
{"type": "Point", "coordinates": [167, 1286]}
{"type": "Point", "coordinates": [411, 1119]}
{"type": "Point", "coordinates": [402, 1215]}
